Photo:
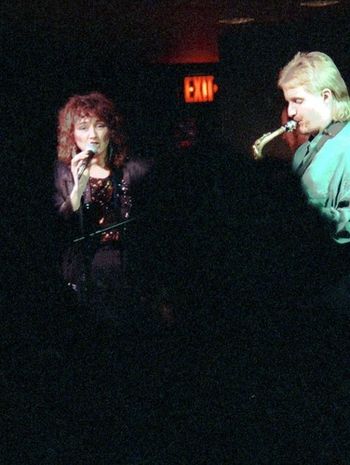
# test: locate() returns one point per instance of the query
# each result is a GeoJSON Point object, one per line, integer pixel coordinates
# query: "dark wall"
{"type": "Point", "coordinates": [45, 66]}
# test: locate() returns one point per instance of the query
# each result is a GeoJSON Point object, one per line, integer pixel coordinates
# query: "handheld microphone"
{"type": "Point", "coordinates": [92, 150]}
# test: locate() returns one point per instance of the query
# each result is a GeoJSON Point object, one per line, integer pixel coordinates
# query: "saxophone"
{"type": "Point", "coordinates": [260, 143]}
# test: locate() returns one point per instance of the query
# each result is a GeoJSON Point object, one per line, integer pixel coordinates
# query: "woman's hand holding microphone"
{"type": "Point", "coordinates": [80, 172]}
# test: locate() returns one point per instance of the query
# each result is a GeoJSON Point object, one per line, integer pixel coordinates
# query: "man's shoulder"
{"type": "Point", "coordinates": [341, 142]}
{"type": "Point", "coordinates": [344, 133]}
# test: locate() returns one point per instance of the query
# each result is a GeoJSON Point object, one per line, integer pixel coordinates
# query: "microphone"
{"type": "Point", "coordinates": [92, 150]}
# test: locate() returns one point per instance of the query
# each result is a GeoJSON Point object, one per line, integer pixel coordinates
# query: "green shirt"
{"type": "Point", "coordinates": [323, 165]}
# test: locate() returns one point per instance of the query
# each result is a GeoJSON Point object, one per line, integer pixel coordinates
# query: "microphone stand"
{"type": "Point", "coordinates": [84, 285]}
{"type": "Point", "coordinates": [84, 290]}
{"type": "Point", "coordinates": [100, 231]}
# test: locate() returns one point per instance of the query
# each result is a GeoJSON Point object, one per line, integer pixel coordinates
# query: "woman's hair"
{"type": "Point", "coordinates": [78, 106]}
{"type": "Point", "coordinates": [316, 71]}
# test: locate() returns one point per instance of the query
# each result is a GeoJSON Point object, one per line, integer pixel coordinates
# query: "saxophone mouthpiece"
{"type": "Point", "coordinates": [290, 125]}
{"type": "Point", "coordinates": [260, 143]}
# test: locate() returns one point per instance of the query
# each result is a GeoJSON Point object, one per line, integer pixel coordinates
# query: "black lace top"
{"type": "Point", "coordinates": [104, 213]}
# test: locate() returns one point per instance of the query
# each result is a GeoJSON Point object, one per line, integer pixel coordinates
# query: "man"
{"type": "Point", "coordinates": [318, 101]}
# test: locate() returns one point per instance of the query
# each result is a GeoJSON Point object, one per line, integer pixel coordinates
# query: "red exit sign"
{"type": "Point", "coordinates": [199, 89]}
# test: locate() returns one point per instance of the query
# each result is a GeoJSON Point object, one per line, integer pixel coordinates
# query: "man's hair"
{"type": "Point", "coordinates": [316, 71]}
{"type": "Point", "coordinates": [94, 104]}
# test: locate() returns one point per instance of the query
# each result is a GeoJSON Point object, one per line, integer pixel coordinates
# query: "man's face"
{"type": "Point", "coordinates": [312, 112]}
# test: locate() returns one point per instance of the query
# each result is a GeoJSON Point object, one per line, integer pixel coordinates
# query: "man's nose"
{"type": "Point", "coordinates": [291, 110]}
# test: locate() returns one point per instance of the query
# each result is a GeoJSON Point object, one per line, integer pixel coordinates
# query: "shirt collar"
{"type": "Point", "coordinates": [333, 128]}
{"type": "Point", "coordinates": [329, 131]}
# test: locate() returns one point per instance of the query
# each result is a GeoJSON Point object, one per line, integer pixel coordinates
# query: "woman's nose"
{"type": "Point", "coordinates": [92, 131]}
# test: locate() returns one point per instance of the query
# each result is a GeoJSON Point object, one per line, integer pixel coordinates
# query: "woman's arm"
{"type": "Point", "coordinates": [68, 188]}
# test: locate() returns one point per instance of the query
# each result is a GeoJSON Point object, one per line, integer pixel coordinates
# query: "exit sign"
{"type": "Point", "coordinates": [199, 89]}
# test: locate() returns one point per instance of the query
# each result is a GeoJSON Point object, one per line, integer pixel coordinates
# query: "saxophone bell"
{"type": "Point", "coordinates": [260, 143]}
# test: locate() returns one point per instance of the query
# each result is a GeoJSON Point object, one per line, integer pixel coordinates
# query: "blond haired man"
{"type": "Point", "coordinates": [318, 101]}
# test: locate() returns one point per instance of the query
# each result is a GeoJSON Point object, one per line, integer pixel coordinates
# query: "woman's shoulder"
{"type": "Point", "coordinates": [61, 169]}
{"type": "Point", "coordinates": [137, 169]}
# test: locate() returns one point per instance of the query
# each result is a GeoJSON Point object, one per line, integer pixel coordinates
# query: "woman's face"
{"type": "Point", "coordinates": [91, 130]}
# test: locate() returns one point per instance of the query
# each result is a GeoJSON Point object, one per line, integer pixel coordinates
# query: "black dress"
{"type": "Point", "coordinates": [95, 267]}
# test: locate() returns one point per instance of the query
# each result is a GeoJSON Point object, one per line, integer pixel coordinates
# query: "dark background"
{"type": "Point", "coordinates": [246, 371]}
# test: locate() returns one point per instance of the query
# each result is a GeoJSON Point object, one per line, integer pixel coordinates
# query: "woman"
{"type": "Point", "coordinates": [91, 194]}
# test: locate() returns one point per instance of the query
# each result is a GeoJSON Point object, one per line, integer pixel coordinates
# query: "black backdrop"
{"type": "Point", "coordinates": [245, 388]}
{"type": "Point", "coordinates": [45, 65]}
